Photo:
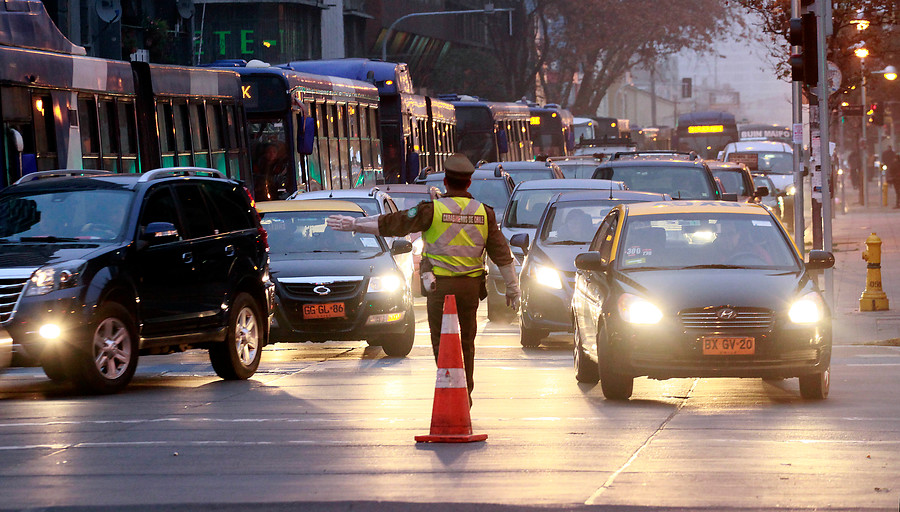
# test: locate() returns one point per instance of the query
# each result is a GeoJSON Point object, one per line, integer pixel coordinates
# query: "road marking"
{"type": "Point", "coordinates": [609, 481]}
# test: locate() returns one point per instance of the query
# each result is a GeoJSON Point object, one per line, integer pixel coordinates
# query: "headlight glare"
{"type": "Point", "coordinates": [418, 246]}
{"type": "Point", "coordinates": [636, 310]}
{"type": "Point", "coordinates": [547, 276]}
{"type": "Point", "coordinates": [808, 309]}
{"type": "Point", "coordinates": [791, 190]}
{"type": "Point", "coordinates": [386, 283]}
{"type": "Point", "coordinates": [55, 277]}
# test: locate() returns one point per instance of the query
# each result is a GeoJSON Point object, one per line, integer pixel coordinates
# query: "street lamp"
{"type": "Point", "coordinates": [488, 9]}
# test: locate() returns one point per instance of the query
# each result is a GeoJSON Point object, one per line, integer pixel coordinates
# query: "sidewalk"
{"type": "Point", "coordinates": [849, 233]}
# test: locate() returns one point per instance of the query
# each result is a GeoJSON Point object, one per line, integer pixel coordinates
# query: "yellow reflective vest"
{"type": "Point", "coordinates": [454, 243]}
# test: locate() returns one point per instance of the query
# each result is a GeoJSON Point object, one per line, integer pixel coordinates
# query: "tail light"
{"type": "Point", "coordinates": [259, 229]}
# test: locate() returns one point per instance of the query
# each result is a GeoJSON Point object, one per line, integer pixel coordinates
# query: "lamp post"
{"type": "Point", "coordinates": [488, 9]}
{"type": "Point", "coordinates": [862, 53]}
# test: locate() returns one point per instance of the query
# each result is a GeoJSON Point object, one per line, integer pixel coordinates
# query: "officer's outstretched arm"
{"type": "Point", "coordinates": [512, 285]}
{"type": "Point", "coordinates": [347, 223]}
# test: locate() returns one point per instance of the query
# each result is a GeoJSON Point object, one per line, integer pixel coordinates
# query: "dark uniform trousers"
{"type": "Point", "coordinates": [466, 290]}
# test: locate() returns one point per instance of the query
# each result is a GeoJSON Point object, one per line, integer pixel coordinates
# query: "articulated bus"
{"type": "Point", "coordinates": [706, 133]}
{"type": "Point", "coordinates": [308, 132]}
{"type": "Point", "coordinates": [491, 131]}
{"type": "Point", "coordinates": [416, 131]}
{"type": "Point", "coordinates": [61, 109]}
{"type": "Point", "coordinates": [552, 130]}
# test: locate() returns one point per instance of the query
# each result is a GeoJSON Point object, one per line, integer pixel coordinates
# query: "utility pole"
{"type": "Point", "coordinates": [824, 18]}
{"type": "Point", "coordinates": [797, 121]}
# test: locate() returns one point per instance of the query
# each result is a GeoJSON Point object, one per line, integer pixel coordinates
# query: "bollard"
{"type": "Point", "coordinates": [884, 193]}
{"type": "Point", "coordinates": [873, 297]}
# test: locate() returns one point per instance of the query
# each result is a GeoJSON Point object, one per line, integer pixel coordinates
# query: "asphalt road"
{"type": "Point", "coordinates": [330, 427]}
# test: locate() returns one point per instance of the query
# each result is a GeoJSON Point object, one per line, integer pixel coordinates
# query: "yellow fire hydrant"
{"type": "Point", "coordinates": [873, 297]}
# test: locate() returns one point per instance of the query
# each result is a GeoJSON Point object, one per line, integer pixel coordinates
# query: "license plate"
{"type": "Point", "coordinates": [327, 310]}
{"type": "Point", "coordinates": [713, 346]}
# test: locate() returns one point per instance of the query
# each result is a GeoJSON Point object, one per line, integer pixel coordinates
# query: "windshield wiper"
{"type": "Point", "coordinates": [567, 242]}
{"type": "Point", "coordinates": [714, 265]}
{"type": "Point", "coordinates": [49, 238]}
{"type": "Point", "coordinates": [339, 250]}
{"type": "Point", "coordinates": [523, 225]}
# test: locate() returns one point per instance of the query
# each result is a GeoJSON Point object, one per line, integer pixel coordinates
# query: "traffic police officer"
{"type": "Point", "coordinates": [456, 230]}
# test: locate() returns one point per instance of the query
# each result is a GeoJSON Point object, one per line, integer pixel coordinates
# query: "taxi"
{"type": "Point", "coordinates": [698, 289]}
{"type": "Point", "coordinates": [335, 285]}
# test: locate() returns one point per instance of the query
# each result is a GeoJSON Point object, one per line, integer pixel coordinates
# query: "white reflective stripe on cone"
{"type": "Point", "coordinates": [450, 378]}
{"type": "Point", "coordinates": [450, 324]}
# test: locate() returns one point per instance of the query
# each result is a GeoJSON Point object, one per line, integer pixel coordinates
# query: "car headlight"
{"type": "Point", "coordinates": [635, 310]}
{"type": "Point", "coordinates": [55, 277]}
{"type": "Point", "coordinates": [808, 309]}
{"type": "Point", "coordinates": [790, 190]}
{"type": "Point", "coordinates": [547, 276]}
{"type": "Point", "coordinates": [418, 246]}
{"type": "Point", "coordinates": [387, 283]}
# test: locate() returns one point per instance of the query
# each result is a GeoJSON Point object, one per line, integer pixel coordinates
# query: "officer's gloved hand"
{"type": "Point", "coordinates": [340, 222]}
{"type": "Point", "coordinates": [512, 285]}
{"type": "Point", "coordinates": [512, 299]}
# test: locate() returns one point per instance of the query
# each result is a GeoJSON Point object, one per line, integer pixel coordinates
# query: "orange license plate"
{"type": "Point", "coordinates": [327, 310]}
{"type": "Point", "coordinates": [713, 346]}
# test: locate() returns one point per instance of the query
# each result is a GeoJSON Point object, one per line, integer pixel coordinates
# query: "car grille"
{"type": "Point", "coordinates": [708, 319]}
{"type": "Point", "coordinates": [305, 290]}
{"type": "Point", "coordinates": [10, 290]}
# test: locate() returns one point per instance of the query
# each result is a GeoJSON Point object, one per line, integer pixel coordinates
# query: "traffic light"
{"type": "Point", "coordinates": [804, 64]}
{"type": "Point", "coordinates": [875, 115]}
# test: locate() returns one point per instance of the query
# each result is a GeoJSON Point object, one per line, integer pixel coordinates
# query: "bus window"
{"type": "Point", "coordinates": [127, 135]}
{"type": "Point", "coordinates": [166, 134]}
{"type": "Point", "coordinates": [199, 135]}
{"type": "Point", "coordinates": [109, 143]}
{"type": "Point", "coordinates": [216, 140]}
{"type": "Point", "coordinates": [44, 150]}
{"type": "Point", "coordinates": [90, 140]}
{"type": "Point", "coordinates": [183, 134]}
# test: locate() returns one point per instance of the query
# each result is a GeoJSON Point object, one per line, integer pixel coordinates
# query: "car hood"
{"type": "Point", "coordinates": [34, 255]}
{"type": "Point", "coordinates": [674, 290]}
{"type": "Point", "coordinates": [331, 264]}
{"type": "Point", "coordinates": [560, 257]}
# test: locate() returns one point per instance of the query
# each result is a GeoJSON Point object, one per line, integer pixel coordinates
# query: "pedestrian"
{"type": "Point", "coordinates": [457, 231]}
{"type": "Point", "coordinates": [893, 177]}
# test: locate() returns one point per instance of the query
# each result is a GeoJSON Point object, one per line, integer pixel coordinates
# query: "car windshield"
{"type": "Point", "coordinates": [704, 240]}
{"type": "Point", "coordinates": [680, 182]}
{"type": "Point", "coordinates": [762, 181]}
{"type": "Point", "coordinates": [492, 192]}
{"type": "Point", "coordinates": [575, 222]}
{"type": "Point", "coordinates": [526, 206]}
{"type": "Point", "coordinates": [577, 170]}
{"type": "Point", "coordinates": [406, 200]}
{"type": "Point", "coordinates": [733, 181]}
{"type": "Point", "coordinates": [773, 162]}
{"type": "Point", "coordinates": [518, 175]}
{"type": "Point", "coordinates": [64, 215]}
{"type": "Point", "coordinates": [306, 232]}
{"type": "Point", "coordinates": [369, 204]}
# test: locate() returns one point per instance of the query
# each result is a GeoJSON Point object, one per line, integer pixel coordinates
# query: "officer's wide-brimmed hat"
{"type": "Point", "coordinates": [458, 165]}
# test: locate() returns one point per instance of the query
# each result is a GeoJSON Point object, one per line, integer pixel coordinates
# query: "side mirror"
{"type": "Point", "coordinates": [729, 196]}
{"type": "Point", "coordinates": [820, 260]}
{"type": "Point", "coordinates": [159, 233]}
{"type": "Point", "coordinates": [306, 138]}
{"type": "Point", "coordinates": [401, 246]}
{"type": "Point", "coordinates": [520, 240]}
{"type": "Point", "coordinates": [762, 191]}
{"type": "Point", "coordinates": [498, 171]}
{"type": "Point", "coordinates": [604, 173]}
{"type": "Point", "coordinates": [589, 261]}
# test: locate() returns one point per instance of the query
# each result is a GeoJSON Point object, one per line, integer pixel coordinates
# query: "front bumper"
{"type": "Point", "coordinates": [546, 308]}
{"type": "Point", "coordinates": [65, 308]}
{"type": "Point", "coordinates": [784, 351]}
{"type": "Point", "coordinates": [393, 315]}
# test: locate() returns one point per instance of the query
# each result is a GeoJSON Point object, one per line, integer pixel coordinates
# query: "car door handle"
{"type": "Point", "coordinates": [187, 257]}
{"type": "Point", "coordinates": [229, 250]}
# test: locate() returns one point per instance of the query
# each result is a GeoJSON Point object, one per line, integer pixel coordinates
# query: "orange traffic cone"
{"type": "Point", "coordinates": [450, 420]}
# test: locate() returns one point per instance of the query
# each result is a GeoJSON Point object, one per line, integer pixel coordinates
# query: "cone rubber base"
{"type": "Point", "coordinates": [451, 439]}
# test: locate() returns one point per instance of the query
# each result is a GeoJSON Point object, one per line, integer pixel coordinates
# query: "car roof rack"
{"type": "Point", "coordinates": [60, 173]}
{"type": "Point", "coordinates": [168, 172]}
{"type": "Point", "coordinates": [692, 155]}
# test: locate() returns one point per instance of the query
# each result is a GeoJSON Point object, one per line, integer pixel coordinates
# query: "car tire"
{"type": "Point", "coordinates": [815, 386]}
{"type": "Point", "coordinates": [530, 337]}
{"type": "Point", "coordinates": [54, 365]}
{"type": "Point", "coordinates": [401, 345]}
{"type": "Point", "coordinates": [615, 386]}
{"type": "Point", "coordinates": [586, 370]}
{"type": "Point", "coordinates": [106, 363]}
{"type": "Point", "coordinates": [238, 357]}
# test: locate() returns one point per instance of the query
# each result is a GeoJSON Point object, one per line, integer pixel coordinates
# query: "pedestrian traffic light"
{"type": "Point", "coordinates": [804, 64]}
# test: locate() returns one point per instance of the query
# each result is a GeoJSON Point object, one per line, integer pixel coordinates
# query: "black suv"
{"type": "Point", "coordinates": [97, 267]}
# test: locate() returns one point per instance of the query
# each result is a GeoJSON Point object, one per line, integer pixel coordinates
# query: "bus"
{"type": "Point", "coordinates": [706, 133]}
{"type": "Point", "coordinates": [308, 132]}
{"type": "Point", "coordinates": [490, 131]}
{"type": "Point", "coordinates": [552, 130]}
{"type": "Point", "coordinates": [61, 109]}
{"type": "Point", "coordinates": [416, 131]}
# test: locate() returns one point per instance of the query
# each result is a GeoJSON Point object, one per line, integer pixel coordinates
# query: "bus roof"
{"type": "Point", "coordinates": [26, 24]}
